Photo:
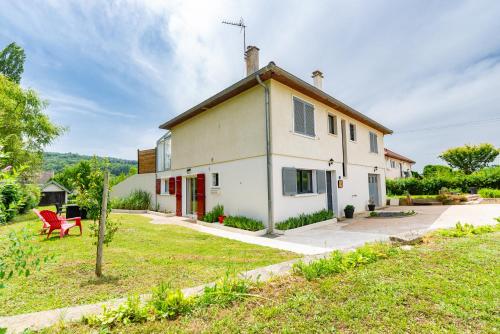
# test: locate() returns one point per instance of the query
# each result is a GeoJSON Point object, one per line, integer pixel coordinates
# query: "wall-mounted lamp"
{"type": "Point", "coordinates": [330, 162]}
{"type": "Point", "coordinates": [375, 169]}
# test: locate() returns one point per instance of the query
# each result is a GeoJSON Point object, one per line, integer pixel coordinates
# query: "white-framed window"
{"type": "Point", "coordinates": [332, 124]}
{"type": "Point", "coordinates": [303, 117]}
{"type": "Point", "coordinates": [298, 182]}
{"type": "Point", "coordinates": [393, 164]}
{"type": "Point", "coordinates": [215, 180]}
{"type": "Point", "coordinates": [352, 132]}
{"type": "Point", "coordinates": [373, 142]}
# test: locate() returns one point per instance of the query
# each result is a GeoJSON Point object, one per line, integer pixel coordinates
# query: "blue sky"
{"type": "Point", "coordinates": [113, 71]}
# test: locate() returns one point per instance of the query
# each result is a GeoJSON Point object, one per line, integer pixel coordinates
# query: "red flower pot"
{"type": "Point", "coordinates": [221, 219]}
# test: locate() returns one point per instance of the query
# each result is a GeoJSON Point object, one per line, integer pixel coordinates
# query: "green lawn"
{"type": "Point", "coordinates": [446, 285]}
{"type": "Point", "coordinates": [141, 256]}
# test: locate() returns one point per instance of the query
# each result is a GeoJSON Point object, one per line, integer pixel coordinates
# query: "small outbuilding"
{"type": "Point", "coordinates": [53, 192]}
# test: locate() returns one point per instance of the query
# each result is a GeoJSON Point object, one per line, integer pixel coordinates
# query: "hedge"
{"type": "Point", "coordinates": [485, 178]}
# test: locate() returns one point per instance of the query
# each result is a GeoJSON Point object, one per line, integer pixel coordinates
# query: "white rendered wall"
{"type": "Point", "coordinates": [242, 189]}
{"type": "Point", "coordinates": [144, 182]}
{"type": "Point", "coordinates": [355, 188]}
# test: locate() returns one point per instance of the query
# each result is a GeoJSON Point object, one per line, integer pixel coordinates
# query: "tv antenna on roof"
{"type": "Point", "coordinates": [242, 26]}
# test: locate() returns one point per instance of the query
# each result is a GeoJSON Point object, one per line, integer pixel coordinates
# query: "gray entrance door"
{"type": "Point", "coordinates": [329, 190]}
{"type": "Point", "coordinates": [373, 188]}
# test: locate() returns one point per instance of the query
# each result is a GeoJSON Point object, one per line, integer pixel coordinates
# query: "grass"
{"type": "Point", "coordinates": [141, 256]}
{"type": "Point", "coordinates": [446, 285]}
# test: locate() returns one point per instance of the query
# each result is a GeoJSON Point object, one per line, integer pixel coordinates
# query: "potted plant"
{"type": "Point", "coordinates": [349, 211]}
{"type": "Point", "coordinates": [218, 211]}
{"type": "Point", "coordinates": [371, 204]}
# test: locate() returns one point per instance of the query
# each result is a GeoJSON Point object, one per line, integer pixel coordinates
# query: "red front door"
{"type": "Point", "coordinates": [178, 195]}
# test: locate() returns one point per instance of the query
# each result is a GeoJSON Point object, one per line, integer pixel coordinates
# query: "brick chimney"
{"type": "Point", "coordinates": [317, 79]}
{"type": "Point", "coordinates": [252, 59]}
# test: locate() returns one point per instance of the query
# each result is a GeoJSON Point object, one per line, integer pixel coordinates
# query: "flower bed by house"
{"type": "Point", "coordinates": [244, 223]}
{"type": "Point", "coordinates": [305, 219]}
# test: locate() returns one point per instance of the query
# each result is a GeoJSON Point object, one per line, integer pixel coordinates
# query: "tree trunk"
{"type": "Point", "coordinates": [102, 226]}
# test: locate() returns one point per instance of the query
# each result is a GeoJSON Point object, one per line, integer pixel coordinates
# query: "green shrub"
{"type": "Point", "coordinates": [467, 229]}
{"type": "Point", "coordinates": [30, 194]}
{"type": "Point", "coordinates": [137, 200]}
{"type": "Point", "coordinates": [213, 215]}
{"type": "Point", "coordinates": [11, 199]}
{"type": "Point", "coordinates": [224, 291]}
{"type": "Point", "coordinates": [339, 262]}
{"type": "Point", "coordinates": [489, 193]}
{"type": "Point", "coordinates": [485, 178]}
{"type": "Point", "coordinates": [244, 223]}
{"type": "Point", "coordinates": [170, 303]}
{"type": "Point", "coordinates": [305, 219]}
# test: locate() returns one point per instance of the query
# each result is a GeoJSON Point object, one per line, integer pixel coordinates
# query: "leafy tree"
{"type": "Point", "coordinates": [75, 176]}
{"type": "Point", "coordinates": [24, 128]}
{"type": "Point", "coordinates": [470, 158]}
{"type": "Point", "coordinates": [437, 170]}
{"type": "Point", "coordinates": [12, 62]}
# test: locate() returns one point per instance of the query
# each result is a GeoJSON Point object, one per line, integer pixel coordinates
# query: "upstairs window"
{"type": "Point", "coordinates": [373, 143]}
{"type": "Point", "coordinates": [303, 118]}
{"type": "Point", "coordinates": [393, 164]}
{"type": "Point", "coordinates": [352, 132]}
{"type": "Point", "coordinates": [332, 124]}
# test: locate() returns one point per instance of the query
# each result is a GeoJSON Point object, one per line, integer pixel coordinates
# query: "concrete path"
{"type": "Point", "coordinates": [255, 240]}
{"type": "Point", "coordinates": [44, 319]}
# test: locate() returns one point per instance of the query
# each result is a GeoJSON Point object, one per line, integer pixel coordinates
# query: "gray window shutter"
{"type": "Point", "coordinates": [289, 179]}
{"type": "Point", "coordinates": [335, 125]}
{"type": "Point", "coordinates": [320, 181]}
{"type": "Point", "coordinates": [298, 116]}
{"type": "Point", "coordinates": [375, 143]}
{"type": "Point", "coordinates": [309, 111]}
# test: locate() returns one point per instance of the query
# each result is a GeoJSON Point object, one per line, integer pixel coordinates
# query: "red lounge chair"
{"type": "Point", "coordinates": [51, 221]}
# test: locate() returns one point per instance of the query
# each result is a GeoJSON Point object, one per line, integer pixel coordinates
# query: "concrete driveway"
{"type": "Point", "coordinates": [352, 233]}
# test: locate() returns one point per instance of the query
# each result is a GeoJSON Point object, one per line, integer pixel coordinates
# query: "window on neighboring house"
{"type": "Point", "coordinates": [304, 181]}
{"type": "Point", "coordinates": [393, 164]}
{"type": "Point", "coordinates": [163, 153]}
{"type": "Point", "coordinates": [373, 143]}
{"type": "Point", "coordinates": [352, 132]}
{"type": "Point", "coordinates": [332, 124]}
{"type": "Point", "coordinates": [303, 117]}
{"type": "Point", "coordinates": [215, 180]}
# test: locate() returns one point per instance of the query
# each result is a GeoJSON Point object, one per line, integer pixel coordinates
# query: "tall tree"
{"type": "Point", "coordinates": [12, 62]}
{"type": "Point", "coordinates": [470, 158]}
{"type": "Point", "coordinates": [24, 128]}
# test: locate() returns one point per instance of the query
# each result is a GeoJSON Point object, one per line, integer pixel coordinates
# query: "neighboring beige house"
{"type": "Point", "coordinates": [396, 165]}
{"type": "Point", "coordinates": [270, 146]}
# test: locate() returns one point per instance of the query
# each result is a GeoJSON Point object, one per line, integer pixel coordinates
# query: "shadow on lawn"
{"type": "Point", "coordinates": [100, 281]}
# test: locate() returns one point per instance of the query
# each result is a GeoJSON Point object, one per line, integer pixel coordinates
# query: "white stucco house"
{"type": "Point", "coordinates": [397, 166]}
{"type": "Point", "coordinates": [270, 146]}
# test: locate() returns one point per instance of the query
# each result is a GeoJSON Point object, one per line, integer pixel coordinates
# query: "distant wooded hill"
{"type": "Point", "coordinates": [57, 161]}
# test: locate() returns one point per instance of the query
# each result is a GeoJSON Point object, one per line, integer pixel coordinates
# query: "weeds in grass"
{"type": "Point", "coordinates": [339, 262]}
{"type": "Point", "coordinates": [130, 312]}
{"type": "Point", "coordinates": [467, 229]}
{"type": "Point", "coordinates": [224, 291]}
{"type": "Point", "coordinates": [170, 303]}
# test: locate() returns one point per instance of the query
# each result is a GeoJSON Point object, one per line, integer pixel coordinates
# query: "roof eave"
{"type": "Point", "coordinates": [274, 72]}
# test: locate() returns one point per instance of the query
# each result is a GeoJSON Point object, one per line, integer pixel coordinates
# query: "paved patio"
{"type": "Point", "coordinates": [352, 233]}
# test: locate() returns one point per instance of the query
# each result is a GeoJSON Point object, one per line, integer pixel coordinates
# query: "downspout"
{"type": "Point", "coordinates": [270, 221]}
